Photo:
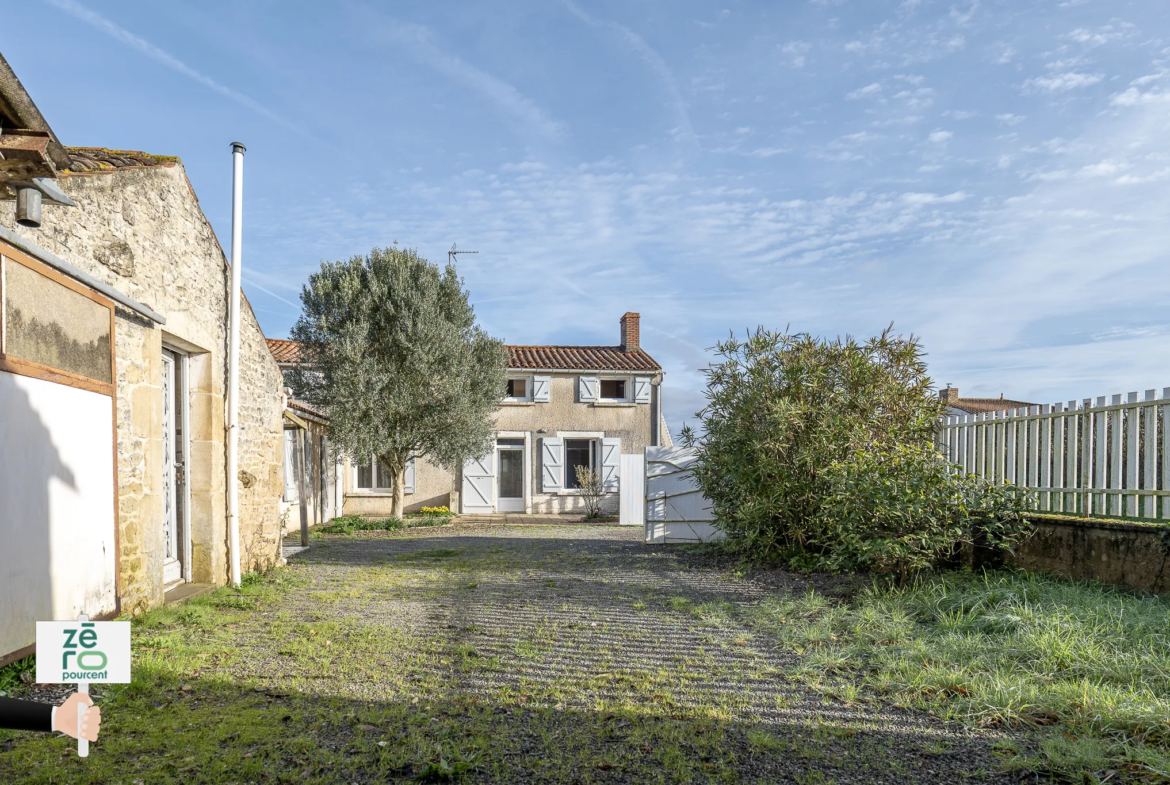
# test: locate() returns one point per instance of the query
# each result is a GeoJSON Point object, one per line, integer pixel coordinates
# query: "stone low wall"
{"type": "Point", "coordinates": [1114, 552]}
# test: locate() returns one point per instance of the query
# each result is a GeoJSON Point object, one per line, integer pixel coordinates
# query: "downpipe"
{"type": "Point", "coordinates": [233, 426]}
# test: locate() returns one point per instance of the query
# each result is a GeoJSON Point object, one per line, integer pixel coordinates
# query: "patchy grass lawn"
{"type": "Point", "coordinates": [512, 655]}
{"type": "Point", "coordinates": [1086, 665]}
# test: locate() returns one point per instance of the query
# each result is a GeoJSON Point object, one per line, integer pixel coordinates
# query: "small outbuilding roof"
{"type": "Point", "coordinates": [284, 352]}
{"type": "Point", "coordinates": [100, 159]}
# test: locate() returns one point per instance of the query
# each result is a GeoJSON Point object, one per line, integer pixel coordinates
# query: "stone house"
{"type": "Point", "coordinates": [564, 406]}
{"type": "Point", "coordinates": [113, 382]}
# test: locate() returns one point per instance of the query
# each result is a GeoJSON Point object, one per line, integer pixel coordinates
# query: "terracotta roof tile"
{"type": "Point", "coordinates": [99, 159]}
{"type": "Point", "coordinates": [584, 358]}
{"type": "Point", "coordinates": [552, 358]}
{"type": "Point", "coordinates": [284, 351]}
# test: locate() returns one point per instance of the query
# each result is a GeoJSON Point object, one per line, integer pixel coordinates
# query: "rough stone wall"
{"type": "Point", "coordinates": [142, 232]}
{"type": "Point", "coordinates": [261, 449]}
{"type": "Point", "coordinates": [1122, 554]}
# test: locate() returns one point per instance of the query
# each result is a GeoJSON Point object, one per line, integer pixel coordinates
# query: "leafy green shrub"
{"type": "Point", "coordinates": [903, 509]}
{"type": "Point", "coordinates": [782, 408]}
{"type": "Point", "coordinates": [355, 523]}
{"type": "Point", "coordinates": [822, 453]}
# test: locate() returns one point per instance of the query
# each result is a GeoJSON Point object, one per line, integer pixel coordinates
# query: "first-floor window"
{"type": "Point", "coordinates": [373, 476]}
{"type": "Point", "coordinates": [517, 389]}
{"type": "Point", "coordinates": [613, 389]}
{"type": "Point", "coordinates": [579, 452]}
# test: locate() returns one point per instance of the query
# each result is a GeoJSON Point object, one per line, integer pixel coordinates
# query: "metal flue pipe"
{"type": "Point", "coordinates": [233, 418]}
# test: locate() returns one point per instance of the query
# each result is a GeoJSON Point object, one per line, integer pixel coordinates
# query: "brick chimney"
{"type": "Point", "coordinates": [950, 394]}
{"type": "Point", "coordinates": [630, 337]}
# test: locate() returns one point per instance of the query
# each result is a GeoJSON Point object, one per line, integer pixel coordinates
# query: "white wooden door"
{"type": "Point", "coordinates": [510, 479]}
{"type": "Point", "coordinates": [479, 481]}
{"type": "Point", "coordinates": [172, 567]}
{"type": "Point", "coordinates": [633, 490]}
{"type": "Point", "coordinates": [176, 526]}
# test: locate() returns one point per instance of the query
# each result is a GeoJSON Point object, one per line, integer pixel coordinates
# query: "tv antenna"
{"type": "Point", "coordinates": [452, 255]}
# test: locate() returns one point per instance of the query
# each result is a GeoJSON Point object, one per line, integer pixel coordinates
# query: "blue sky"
{"type": "Point", "coordinates": [991, 176]}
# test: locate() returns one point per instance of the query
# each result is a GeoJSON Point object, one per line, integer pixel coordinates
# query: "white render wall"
{"type": "Point", "coordinates": [56, 506]}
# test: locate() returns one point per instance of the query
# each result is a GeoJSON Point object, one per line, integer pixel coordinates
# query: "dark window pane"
{"type": "Point", "coordinates": [366, 476]}
{"type": "Point", "coordinates": [383, 475]}
{"type": "Point", "coordinates": [613, 388]}
{"type": "Point", "coordinates": [578, 452]}
{"type": "Point", "coordinates": [510, 442]}
{"type": "Point", "coordinates": [53, 325]}
{"type": "Point", "coordinates": [517, 388]}
{"type": "Point", "coordinates": [511, 474]}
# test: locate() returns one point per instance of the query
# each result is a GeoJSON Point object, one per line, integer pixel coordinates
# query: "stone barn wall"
{"type": "Point", "coordinates": [138, 227]}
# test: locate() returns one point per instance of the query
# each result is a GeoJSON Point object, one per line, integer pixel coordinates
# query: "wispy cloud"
{"type": "Point", "coordinates": [652, 58]}
{"type": "Point", "coordinates": [1059, 83]}
{"type": "Point", "coordinates": [420, 42]}
{"type": "Point", "coordinates": [143, 46]}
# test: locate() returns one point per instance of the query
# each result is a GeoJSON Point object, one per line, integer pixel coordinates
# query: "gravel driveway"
{"type": "Point", "coordinates": [583, 645]}
{"type": "Point", "coordinates": [490, 654]}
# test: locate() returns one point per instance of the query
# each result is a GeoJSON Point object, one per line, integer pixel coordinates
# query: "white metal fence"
{"type": "Point", "coordinates": [1109, 456]}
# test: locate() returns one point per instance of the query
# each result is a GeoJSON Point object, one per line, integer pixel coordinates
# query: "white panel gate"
{"type": "Point", "coordinates": [676, 510]}
{"type": "Point", "coordinates": [633, 490]}
{"type": "Point", "coordinates": [479, 484]}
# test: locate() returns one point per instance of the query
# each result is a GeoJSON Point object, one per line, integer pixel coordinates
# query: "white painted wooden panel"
{"type": "Point", "coordinates": [479, 483]}
{"type": "Point", "coordinates": [408, 476]}
{"type": "Point", "coordinates": [56, 506]}
{"type": "Point", "coordinates": [633, 490]}
{"type": "Point", "coordinates": [641, 389]}
{"type": "Point", "coordinates": [676, 510]}
{"type": "Point", "coordinates": [611, 450]}
{"type": "Point", "coordinates": [587, 388]}
{"type": "Point", "coordinates": [552, 463]}
{"type": "Point", "coordinates": [541, 387]}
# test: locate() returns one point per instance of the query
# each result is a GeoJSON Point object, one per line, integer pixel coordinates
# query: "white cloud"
{"type": "Point", "coordinates": [796, 51]}
{"type": "Point", "coordinates": [652, 58]}
{"type": "Point", "coordinates": [865, 92]}
{"type": "Point", "coordinates": [927, 198]}
{"type": "Point", "coordinates": [1011, 119]}
{"type": "Point", "coordinates": [768, 152]}
{"type": "Point", "coordinates": [938, 137]}
{"type": "Point", "coordinates": [1070, 80]}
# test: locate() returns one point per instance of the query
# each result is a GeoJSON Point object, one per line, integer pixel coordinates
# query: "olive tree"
{"type": "Point", "coordinates": [391, 351]}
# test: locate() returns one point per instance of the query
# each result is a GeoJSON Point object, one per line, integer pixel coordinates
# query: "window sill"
{"type": "Point", "coordinates": [615, 404]}
{"type": "Point", "coordinates": [575, 492]}
{"type": "Point", "coordinates": [375, 494]}
{"type": "Point", "coordinates": [517, 403]}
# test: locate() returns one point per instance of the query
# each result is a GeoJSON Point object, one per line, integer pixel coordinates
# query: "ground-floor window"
{"type": "Point", "coordinates": [579, 452]}
{"type": "Point", "coordinates": [373, 476]}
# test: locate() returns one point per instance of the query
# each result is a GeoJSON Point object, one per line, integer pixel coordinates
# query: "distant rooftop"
{"type": "Point", "coordinates": [979, 405]}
